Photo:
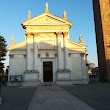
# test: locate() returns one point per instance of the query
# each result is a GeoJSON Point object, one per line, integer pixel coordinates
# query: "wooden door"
{"type": "Point", "coordinates": [47, 72]}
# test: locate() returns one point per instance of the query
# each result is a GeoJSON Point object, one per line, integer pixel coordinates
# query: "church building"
{"type": "Point", "coordinates": [47, 54]}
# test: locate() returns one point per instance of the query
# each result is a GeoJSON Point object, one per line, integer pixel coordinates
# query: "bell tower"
{"type": "Point", "coordinates": [102, 27]}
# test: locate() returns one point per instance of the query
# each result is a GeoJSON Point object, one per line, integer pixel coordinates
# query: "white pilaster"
{"type": "Point", "coordinates": [65, 51]}
{"type": "Point", "coordinates": [59, 51]}
{"type": "Point", "coordinates": [28, 52]}
{"type": "Point", "coordinates": [30, 74]}
{"type": "Point", "coordinates": [35, 52]}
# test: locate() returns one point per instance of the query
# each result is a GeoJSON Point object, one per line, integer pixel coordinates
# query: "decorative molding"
{"type": "Point", "coordinates": [11, 56]}
{"type": "Point", "coordinates": [28, 33]}
{"type": "Point", "coordinates": [35, 34]}
{"type": "Point", "coordinates": [32, 34]}
{"type": "Point", "coordinates": [65, 34]}
{"type": "Point", "coordinates": [69, 54]}
{"type": "Point", "coordinates": [47, 54]}
{"type": "Point", "coordinates": [55, 54]}
{"type": "Point", "coordinates": [24, 56]}
{"type": "Point", "coordinates": [62, 28]}
{"type": "Point", "coordinates": [58, 34]}
{"type": "Point", "coordinates": [39, 55]}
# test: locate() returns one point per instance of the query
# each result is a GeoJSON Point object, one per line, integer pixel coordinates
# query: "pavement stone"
{"type": "Point", "coordinates": [53, 97]}
{"type": "Point", "coordinates": [16, 98]}
{"type": "Point", "coordinates": [95, 94]}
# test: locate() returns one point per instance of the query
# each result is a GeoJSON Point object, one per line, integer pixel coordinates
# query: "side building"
{"type": "Point", "coordinates": [47, 54]}
{"type": "Point", "coordinates": [102, 26]}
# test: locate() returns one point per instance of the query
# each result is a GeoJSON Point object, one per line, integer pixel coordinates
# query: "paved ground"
{"type": "Point", "coordinates": [15, 98]}
{"type": "Point", "coordinates": [96, 94]}
{"type": "Point", "coordinates": [53, 97]}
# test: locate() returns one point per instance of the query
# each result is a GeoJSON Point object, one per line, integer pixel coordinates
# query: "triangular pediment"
{"type": "Point", "coordinates": [46, 19]}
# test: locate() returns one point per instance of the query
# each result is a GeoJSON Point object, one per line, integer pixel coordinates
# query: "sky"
{"type": "Point", "coordinates": [79, 12]}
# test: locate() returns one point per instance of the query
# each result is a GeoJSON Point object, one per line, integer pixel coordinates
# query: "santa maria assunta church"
{"type": "Point", "coordinates": [47, 54]}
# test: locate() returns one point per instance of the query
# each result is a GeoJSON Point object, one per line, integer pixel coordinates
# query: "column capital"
{"type": "Point", "coordinates": [58, 33]}
{"type": "Point", "coordinates": [65, 34]}
{"type": "Point", "coordinates": [35, 34]}
{"type": "Point", "coordinates": [11, 56]}
{"type": "Point", "coordinates": [32, 33]}
{"type": "Point", "coordinates": [82, 54]}
{"type": "Point", "coordinates": [28, 33]}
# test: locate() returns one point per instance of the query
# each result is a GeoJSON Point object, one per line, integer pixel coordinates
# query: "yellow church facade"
{"type": "Point", "coordinates": [47, 54]}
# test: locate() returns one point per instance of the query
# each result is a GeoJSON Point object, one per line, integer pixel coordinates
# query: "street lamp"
{"type": "Point", "coordinates": [0, 88]}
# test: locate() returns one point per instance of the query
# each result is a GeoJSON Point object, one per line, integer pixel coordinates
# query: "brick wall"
{"type": "Point", "coordinates": [102, 26]}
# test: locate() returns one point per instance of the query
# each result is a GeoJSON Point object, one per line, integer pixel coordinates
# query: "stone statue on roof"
{"type": "Point", "coordinates": [80, 38]}
{"type": "Point", "coordinates": [46, 8]}
{"type": "Point", "coordinates": [12, 40]}
{"type": "Point", "coordinates": [29, 14]}
{"type": "Point", "coordinates": [64, 15]}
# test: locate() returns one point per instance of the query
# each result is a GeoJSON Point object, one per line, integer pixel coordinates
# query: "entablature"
{"type": "Point", "coordinates": [34, 29]}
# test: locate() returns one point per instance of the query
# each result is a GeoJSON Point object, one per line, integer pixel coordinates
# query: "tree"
{"type": "Point", "coordinates": [2, 53]}
{"type": "Point", "coordinates": [2, 58]}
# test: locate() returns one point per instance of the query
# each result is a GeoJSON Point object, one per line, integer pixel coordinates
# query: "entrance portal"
{"type": "Point", "coordinates": [47, 72]}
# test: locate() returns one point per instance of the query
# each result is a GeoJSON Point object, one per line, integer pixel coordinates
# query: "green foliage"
{"type": "Point", "coordinates": [2, 52]}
